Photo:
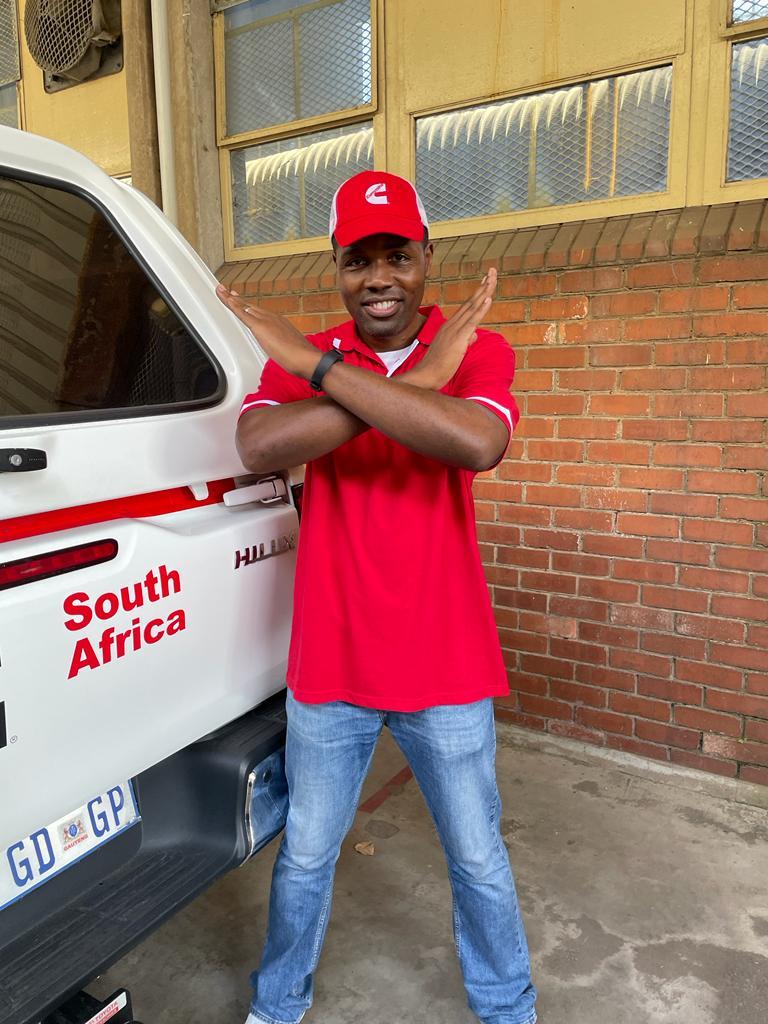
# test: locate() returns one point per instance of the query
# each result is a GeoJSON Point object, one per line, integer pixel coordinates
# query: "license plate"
{"type": "Point", "coordinates": [39, 857]}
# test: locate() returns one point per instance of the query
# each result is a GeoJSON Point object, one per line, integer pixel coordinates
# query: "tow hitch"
{"type": "Point", "coordinates": [86, 1009]}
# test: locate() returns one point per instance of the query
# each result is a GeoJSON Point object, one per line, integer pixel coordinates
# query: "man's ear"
{"type": "Point", "coordinates": [429, 252]}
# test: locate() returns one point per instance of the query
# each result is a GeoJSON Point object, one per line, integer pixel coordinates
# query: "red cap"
{"type": "Point", "coordinates": [373, 203]}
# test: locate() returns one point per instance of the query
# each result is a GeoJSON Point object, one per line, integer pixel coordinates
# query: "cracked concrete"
{"type": "Point", "coordinates": [644, 890]}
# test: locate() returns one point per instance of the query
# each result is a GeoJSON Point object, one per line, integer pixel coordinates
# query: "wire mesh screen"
{"type": "Point", "coordinates": [283, 190]}
{"type": "Point", "coordinates": [641, 152]}
{"type": "Point", "coordinates": [58, 31]}
{"type": "Point", "coordinates": [9, 108]}
{"type": "Point", "coordinates": [748, 10]}
{"type": "Point", "coordinates": [747, 139]}
{"type": "Point", "coordinates": [285, 61]}
{"type": "Point", "coordinates": [9, 43]}
{"type": "Point", "coordinates": [172, 367]}
{"type": "Point", "coordinates": [584, 142]}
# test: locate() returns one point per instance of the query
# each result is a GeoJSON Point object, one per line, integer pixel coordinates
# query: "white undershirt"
{"type": "Point", "coordinates": [397, 357]}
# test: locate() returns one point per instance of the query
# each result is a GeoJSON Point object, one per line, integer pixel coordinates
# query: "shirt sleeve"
{"type": "Point", "coordinates": [485, 376]}
{"type": "Point", "coordinates": [276, 387]}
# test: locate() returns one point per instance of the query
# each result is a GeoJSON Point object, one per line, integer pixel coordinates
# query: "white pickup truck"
{"type": "Point", "coordinates": [145, 580]}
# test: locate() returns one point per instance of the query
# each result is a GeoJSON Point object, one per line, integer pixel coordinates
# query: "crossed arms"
{"type": "Point", "coordinates": [408, 408]}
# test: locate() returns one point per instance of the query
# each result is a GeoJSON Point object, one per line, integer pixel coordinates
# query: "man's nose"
{"type": "Point", "coordinates": [379, 274]}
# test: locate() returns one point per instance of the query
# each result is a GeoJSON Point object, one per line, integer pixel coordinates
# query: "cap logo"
{"type": "Point", "coordinates": [376, 195]}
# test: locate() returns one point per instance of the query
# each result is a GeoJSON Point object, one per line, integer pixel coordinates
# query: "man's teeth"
{"type": "Point", "coordinates": [382, 306]}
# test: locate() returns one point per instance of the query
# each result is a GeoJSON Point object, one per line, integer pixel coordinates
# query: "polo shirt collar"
{"type": "Point", "coordinates": [435, 321]}
{"type": "Point", "coordinates": [346, 338]}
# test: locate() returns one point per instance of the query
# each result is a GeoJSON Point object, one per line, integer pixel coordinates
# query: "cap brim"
{"type": "Point", "coordinates": [378, 224]}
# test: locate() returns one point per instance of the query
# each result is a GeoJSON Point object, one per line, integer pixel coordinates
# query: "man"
{"type": "Point", "coordinates": [392, 620]}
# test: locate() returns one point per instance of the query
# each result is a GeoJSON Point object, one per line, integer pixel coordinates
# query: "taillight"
{"type": "Point", "coordinates": [298, 496]}
{"type": "Point", "coordinates": [54, 563]}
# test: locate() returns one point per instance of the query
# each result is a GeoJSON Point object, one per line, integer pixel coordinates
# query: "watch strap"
{"type": "Point", "coordinates": [326, 362]}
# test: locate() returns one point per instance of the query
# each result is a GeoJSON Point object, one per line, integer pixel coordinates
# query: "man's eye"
{"type": "Point", "coordinates": [400, 257]}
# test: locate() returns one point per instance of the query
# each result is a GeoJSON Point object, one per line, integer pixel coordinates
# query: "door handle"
{"type": "Point", "coordinates": [22, 460]}
{"type": "Point", "coordinates": [267, 491]}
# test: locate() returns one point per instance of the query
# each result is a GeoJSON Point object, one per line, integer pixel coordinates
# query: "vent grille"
{"type": "Point", "coordinates": [59, 32]}
{"type": "Point", "coordinates": [72, 40]}
{"type": "Point", "coordinates": [9, 43]}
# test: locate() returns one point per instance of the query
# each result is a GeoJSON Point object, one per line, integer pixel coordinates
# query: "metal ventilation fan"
{"type": "Point", "coordinates": [72, 40]}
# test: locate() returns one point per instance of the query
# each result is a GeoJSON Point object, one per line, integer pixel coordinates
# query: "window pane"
{"type": "Point", "coordinates": [9, 43]}
{"type": "Point", "coordinates": [283, 190]}
{"type": "Point", "coordinates": [9, 108]}
{"type": "Point", "coordinates": [590, 141]}
{"type": "Point", "coordinates": [747, 139]}
{"type": "Point", "coordinates": [335, 57]}
{"type": "Point", "coordinates": [285, 61]}
{"type": "Point", "coordinates": [463, 172]}
{"type": "Point", "coordinates": [642, 138]}
{"type": "Point", "coordinates": [81, 327]}
{"type": "Point", "coordinates": [748, 10]}
{"type": "Point", "coordinates": [560, 143]}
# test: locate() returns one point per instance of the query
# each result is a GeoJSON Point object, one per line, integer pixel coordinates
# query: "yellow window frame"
{"type": "Point", "coordinates": [317, 243]}
{"type": "Point", "coordinates": [698, 147]}
{"type": "Point", "coordinates": [290, 129]}
{"type": "Point", "coordinates": [671, 197]}
{"type": "Point", "coordinates": [298, 125]}
{"type": "Point", "coordinates": [715, 40]}
{"type": "Point", "coordinates": [727, 28]}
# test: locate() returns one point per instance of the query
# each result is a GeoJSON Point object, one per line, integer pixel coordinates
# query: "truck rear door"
{"type": "Point", "coordinates": [138, 612]}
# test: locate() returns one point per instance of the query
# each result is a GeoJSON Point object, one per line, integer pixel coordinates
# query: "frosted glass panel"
{"type": "Point", "coordinates": [584, 142]}
{"type": "Point", "coordinates": [747, 138]}
{"type": "Point", "coordinates": [283, 190]}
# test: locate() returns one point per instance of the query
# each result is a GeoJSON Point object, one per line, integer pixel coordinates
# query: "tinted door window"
{"type": "Point", "coordinates": [82, 328]}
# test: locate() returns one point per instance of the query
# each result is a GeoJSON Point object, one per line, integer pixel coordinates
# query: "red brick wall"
{"type": "Point", "coordinates": [626, 533]}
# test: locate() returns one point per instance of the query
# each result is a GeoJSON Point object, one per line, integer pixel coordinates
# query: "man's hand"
{"type": "Point", "coordinates": [276, 335]}
{"type": "Point", "coordinates": [453, 339]}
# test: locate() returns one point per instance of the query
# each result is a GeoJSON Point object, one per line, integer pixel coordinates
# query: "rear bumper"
{"type": "Point", "coordinates": [204, 810]}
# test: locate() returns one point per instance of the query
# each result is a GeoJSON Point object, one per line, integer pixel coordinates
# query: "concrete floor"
{"type": "Point", "coordinates": [645, 893]}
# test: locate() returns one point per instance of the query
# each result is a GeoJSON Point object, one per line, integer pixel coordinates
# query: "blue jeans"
{"type": "Point", "coordinates": [451, 750]}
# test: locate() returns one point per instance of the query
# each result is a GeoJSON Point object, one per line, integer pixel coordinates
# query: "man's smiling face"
{"type": "Point", "coordinates": [381, 279]}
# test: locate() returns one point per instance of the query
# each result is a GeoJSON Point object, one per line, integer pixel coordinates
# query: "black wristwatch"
{"type": "Point", "coordinates": [326, 362]}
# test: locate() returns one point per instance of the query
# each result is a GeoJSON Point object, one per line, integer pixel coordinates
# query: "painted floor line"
{"type": "Point", "coordinates": [386, 791]}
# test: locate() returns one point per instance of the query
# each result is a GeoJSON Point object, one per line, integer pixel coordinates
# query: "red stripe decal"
{"type": "Point", "coordinates": [136, 506]}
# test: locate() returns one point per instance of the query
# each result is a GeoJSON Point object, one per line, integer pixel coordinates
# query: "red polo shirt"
{"type": "Point", "coordinates": [391, 607]}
